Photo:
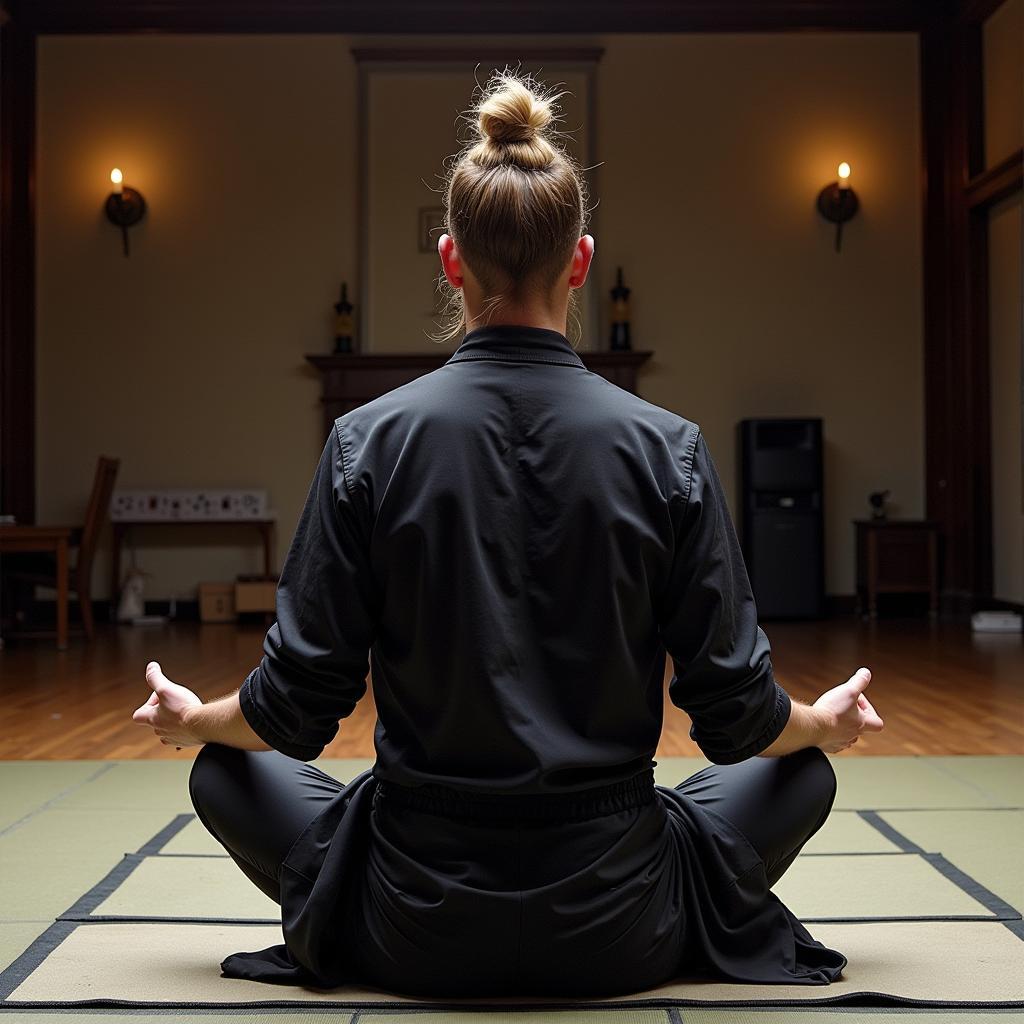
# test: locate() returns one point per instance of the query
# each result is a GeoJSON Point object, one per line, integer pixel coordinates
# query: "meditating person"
{"type": "Point", "coordinates": [512, 545]}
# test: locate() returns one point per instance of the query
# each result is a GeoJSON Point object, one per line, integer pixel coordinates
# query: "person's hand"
{"type": "Point", "coordinates": [169, 710]}
{"type": "Point", "coordinates": [847, 713]}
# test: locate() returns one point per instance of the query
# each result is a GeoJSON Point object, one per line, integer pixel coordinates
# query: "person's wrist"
{"type": "Point", "coordinates": [193, 719]}
{"type": "Point", "coordinates": [823, 724]}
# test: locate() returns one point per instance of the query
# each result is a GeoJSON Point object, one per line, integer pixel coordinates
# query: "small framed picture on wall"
{"type": "Point", "coordinates": [430, 227]}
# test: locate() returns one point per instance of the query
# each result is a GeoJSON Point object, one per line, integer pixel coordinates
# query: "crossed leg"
{"type": "Point", "coordinates": [778, 803]}
{"type": "Point", "coordinates": [255, 804]}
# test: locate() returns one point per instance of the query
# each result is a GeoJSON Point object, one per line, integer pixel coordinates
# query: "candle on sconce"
{"type": "Point", "coordinates": [124, 206]}
{"type": "Point", "coordinates": [837, 202]}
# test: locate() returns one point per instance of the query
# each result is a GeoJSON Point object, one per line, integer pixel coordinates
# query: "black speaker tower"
{"type": "Point", "coordinates": [782, 517]}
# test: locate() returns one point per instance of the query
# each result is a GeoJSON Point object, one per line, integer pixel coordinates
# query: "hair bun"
{"type": "Point", "coordinates": [511, 121]}
{"type": "Point", "coordinates": [512, 113]}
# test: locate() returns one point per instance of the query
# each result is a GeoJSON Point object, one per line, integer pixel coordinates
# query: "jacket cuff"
{"type": "Point", "coordinates": [776, 724]}
{"type": "Point", "coordinates": [249, 700]}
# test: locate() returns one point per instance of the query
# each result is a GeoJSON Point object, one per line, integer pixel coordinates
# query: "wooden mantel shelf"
{"type": "Point", "coordinates": [351, 380]}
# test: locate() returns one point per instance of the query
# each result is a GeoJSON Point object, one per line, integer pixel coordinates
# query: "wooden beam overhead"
{"type": "Point", "coordinates": [998, 182]}
{"type": "Point", "coordinates": [474, 16]}
{"type": "Point", "coordinates": [976, 12]}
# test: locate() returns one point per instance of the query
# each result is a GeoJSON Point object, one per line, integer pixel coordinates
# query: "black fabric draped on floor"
{"type": "Point", "coordinates": [423, 894]}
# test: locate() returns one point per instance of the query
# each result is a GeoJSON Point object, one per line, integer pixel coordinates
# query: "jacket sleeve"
{"type": "Point", "coordinates": [723, 676]}
{"type": "Point", "coordinates": [316, 655]}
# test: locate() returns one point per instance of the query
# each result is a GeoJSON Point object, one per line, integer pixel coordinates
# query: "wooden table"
{"type": "Point", "coordinates": [44, 538]}
{"type": "Point", "coordinates": [265, 527]}
{"type": "Point", "coordinates": [897, 556]}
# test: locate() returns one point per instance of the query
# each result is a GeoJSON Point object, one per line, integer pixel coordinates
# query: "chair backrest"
{"type": "Point", "coordinates": [97, 511]}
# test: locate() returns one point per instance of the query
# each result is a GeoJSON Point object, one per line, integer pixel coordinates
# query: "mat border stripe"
{"type": "Point", "coordinates": [84, 908]}
{"type": "Point", "coordinates": [80, 913]}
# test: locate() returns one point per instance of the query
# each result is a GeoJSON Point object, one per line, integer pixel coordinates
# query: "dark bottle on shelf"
{"type": "Point", "coordinates": [620, 315]}
{"type": "Point", "coordinates": [344, 332]}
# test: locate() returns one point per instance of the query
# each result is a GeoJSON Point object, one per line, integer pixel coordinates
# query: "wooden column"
{"type": "Point", "coordinates": [17, 267]}
{"type": "Point", "coordinates": [958, 191]}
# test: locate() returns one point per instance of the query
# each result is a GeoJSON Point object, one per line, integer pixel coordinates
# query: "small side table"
{"type": "Point", "coordinates": [896, 556]}
{"type": "Point", "coordinates": [54, 539]}
{"type": "Point", "coordinates": [265, 527]}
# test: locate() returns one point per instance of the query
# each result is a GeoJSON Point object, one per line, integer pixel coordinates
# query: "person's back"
{"type": "Point", "coordinates": [523, 520]}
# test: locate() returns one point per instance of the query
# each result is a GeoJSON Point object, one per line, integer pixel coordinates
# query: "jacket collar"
{"type": "Point", "coordinates": [516, 343]}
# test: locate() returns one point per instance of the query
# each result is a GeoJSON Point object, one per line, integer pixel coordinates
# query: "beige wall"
{"type": "Point", "coordinates": [186, 359]}
{"type": "Point", "coordinates": [1003, 42]}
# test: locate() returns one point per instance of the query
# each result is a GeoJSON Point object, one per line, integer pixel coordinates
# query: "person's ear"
{"type": "Point", "coordinates": [581, 260]}
{"type": "Point", "coordinates": [451, 262]}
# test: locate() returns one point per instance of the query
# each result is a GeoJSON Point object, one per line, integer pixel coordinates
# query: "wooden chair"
{"type": "Point", "coordinates": [85, 539]}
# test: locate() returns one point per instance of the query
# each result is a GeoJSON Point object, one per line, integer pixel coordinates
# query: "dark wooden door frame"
{"type": "Point", "coordinates": [17, 266]}
{"type": "Point", "coordinates": [957, 191]}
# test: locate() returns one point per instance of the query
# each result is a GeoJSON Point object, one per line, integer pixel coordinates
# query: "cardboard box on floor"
{"type": "Point", "coordinates": [217, 602]}
{"type": "Point", "coordinates": [255, 594]}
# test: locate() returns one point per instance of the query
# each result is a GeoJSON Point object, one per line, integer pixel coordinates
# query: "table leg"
{"type": "Point", "coordinates": [872, 576]}
{"type": "Point", "coordinates": [115, 569]}
{"type": "Point", "coordinates": [933, 569]}
{"type": "Point", "coordinates": [267, 530]}
{"type": "Point", "coordinates": [62, 594]}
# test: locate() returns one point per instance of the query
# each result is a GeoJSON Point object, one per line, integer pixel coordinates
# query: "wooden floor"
{"type": "Point", "coordinates": [939, 690]}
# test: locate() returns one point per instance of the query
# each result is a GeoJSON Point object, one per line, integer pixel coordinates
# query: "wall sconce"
{"type": "Point", "coordinates": [838, 202]}
{"type": "Point", "coordinates": [125, 206]}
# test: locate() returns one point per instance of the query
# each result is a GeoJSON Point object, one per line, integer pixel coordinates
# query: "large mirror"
{"type": "Point", "coordinates": [409, 124]}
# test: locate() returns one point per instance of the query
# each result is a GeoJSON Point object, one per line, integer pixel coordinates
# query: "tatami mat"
{"type": "Point", "coordinates": [66, 826]}
{"type": "Point", "coordinates": [189, 887]}
{"type": "Point", "coordinates": [987, 845]}
{"type": "Point", "coordinates": [16, 937]}
{"type": "Point", "coordinates": [622, 1015]}
{"type": "Point", "coordinates": [892, 782]}
{"type": "Point", "coordinates": [59, 854]}
{"type": "Point", "coordinates": [1000, 777]}
{"type": "Point", "coordinates": [30, 785]}
{"type": "Point", "coordinates": [194, 840]}
{"type": "Point", "coordinates": [856, 886]}
{"type": "Point", "coordinates": [962, 961]}
{"type": "Point", "coordinates": [848, 832]}
{"type": "Point", "coordinates": [702, 1015]}
{"type": "Point", "coordinates": [872, 886]}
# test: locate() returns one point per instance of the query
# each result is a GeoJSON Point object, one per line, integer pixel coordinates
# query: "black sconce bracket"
{"type": "Point", "coordinates": [124, 209]}
{"type": "Point", "coordinates": [837, 205]}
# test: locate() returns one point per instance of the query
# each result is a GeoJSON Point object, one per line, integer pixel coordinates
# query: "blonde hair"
{"type": "Point", "coordinates": [515, 201]}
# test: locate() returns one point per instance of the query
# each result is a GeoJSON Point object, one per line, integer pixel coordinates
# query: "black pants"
{"type": "Point", "coordinates": [256, 804]}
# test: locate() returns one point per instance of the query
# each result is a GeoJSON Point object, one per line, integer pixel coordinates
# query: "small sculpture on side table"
{"type": "Point", "coordinates": [344, 323]}
{"type": "Point", "coordinates": [877, 501]}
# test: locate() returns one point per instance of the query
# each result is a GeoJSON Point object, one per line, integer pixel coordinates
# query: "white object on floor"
{"type": "Point", "coordinates": [996, 622]}
{"type": "Point", "coordinates": [132, 605]}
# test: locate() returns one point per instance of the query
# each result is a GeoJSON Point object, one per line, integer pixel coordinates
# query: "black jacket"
{"type": "Point", "coordinates": [511, 544]}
